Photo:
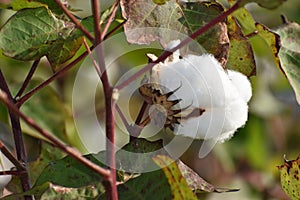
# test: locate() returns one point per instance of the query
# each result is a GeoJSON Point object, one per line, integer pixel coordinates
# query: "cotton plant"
{"type": "Point", "coordinates": [199, 98]}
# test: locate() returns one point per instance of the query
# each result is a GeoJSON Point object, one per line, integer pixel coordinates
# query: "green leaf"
{"type": "Point", "coordinates": [215, 41]}
{"type": "Point", "coordinates": [289, 55]}
{"type": "Point", "coordinates": [150, 185]}
{"type": "Point", "coordinates": [21, 4]}
{"type": "Point", "coordinates": [241, 56]}
{"type": "Point", "coordinates": [148, 16]}
{"type": "Point", "coordinates": [132, 157]}
{"type": "Point", "coordinates": [36, 190]}
{"type": "Point", "coordinates": [48, 154]}
{"type": "Point", "coordinates": [52, 5]}
{"type": "Point", "coordinates": [62, 51]}
{"type": "Point", "coordinates": [69, 172]}
{"type": "Point", "coordinates": [179, 187]}
{"type": "Point", "coordinates": [290, 179]}
{"type": "Point", "coordinates": [33, 33]}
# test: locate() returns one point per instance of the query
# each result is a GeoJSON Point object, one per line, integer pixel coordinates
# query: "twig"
{"type": "Point", "coordinates": [11, 172]}
{"type": "Point", "coordinates": [11, 157]}
{"type": "Point", "coordinates": [123, 118]}
{"type": "Point", "coordinates": [74, 20]}
{"type": "Point", "coordinates": [69, 150]}
{"type": "Point", "coordinates": [136, 128]}
{"type": "Point", "coordinates": [110, 19]}
{"type": "Point", "coordinates": [98, 70]}
{"type": "Point", "coordinates": [141, 113]}
{"type": "Point", "coordinates": [167, 53]}
{"type": "Point", "coordinates": [59, 73]}
{"type": "Point", "coordinates": [28, 78]}
{"type": "Point", "coordinates": [114, 30]}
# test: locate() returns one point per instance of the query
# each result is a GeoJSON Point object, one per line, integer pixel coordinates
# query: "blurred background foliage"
{"type": "Point", "coordinates": [249, 160]}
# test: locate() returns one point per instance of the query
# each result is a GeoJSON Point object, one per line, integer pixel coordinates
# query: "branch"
{"type": "Point", "coordinates": [18, 137]}
{"type": "Point", "coordinates": [167, 53]}
{"type": "Point", "coordinates": [110, 19]}
{"type": "Point", "coordinates": [11, 157]}
{"type": "Point", "coordinates": [69, 150]}
{"type": "Point", "coordinates": [28, 78]}
{"type": "Point", "coordinates": [74, 20]}
{"type": "Point", "coordinates": [11, 172]}
{"type": "Point", "coordinates": [111, 187]}
{"type": "Point", "coordinates": [52, 78]}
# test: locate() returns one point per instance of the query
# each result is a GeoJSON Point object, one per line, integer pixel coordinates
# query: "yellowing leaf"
{"type": "Point", "coordinates": [179, 187]}
{"type": "Point", "coordinates": [241, 56]}
{"type": "Point", "coordinates": [272, 39]}
{"type": "Point", "coordinates": [290, 178]}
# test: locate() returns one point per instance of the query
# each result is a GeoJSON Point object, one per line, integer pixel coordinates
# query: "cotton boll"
{"type": "Point", "coordinates": [236, 115]}
{"type": "Point", "coordinates": [201, 83]}
{"type": "Point", "coordinates": [242, 84]}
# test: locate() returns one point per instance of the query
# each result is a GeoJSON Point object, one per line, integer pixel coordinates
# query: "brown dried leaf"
{"type": "Point", "coordinates": [148, 22]}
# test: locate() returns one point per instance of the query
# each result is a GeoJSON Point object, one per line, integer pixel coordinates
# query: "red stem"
{"type": "Point", "coordinates": [28, 78]}
{"type": "Point", "coordinates": [167, 53]}
{"type": "Point", "coordinates": [110, 19]}
{"type": "Point", "coordinates": [111, 187]}
{"type": "Point", "coordinates": [18, 138]}
{"type": "Point", "coordinates": [75, 21]}
{"type": "Point", "coordinates": [52, 78]}
{"type": "Point", "coordinates": [11, 157]}
{"type": "Point", "coordinates": [69, 150]}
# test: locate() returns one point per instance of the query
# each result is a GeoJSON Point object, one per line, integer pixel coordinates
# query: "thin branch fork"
{"type": "Point", "coordinates": [57, 74]}
{"type": "Point", "coordinates": [69, 150]}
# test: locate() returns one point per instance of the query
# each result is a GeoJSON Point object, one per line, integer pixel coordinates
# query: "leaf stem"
{"type": "Point", "coordinates": [74, 20]}
{"type": "Point", "coordinates": [28, 78]}
{"type": "Point", "coordinates": [57, 74]}
{"type": "Point", "coordinates": [110, 19]}
{"type": "Point", "coordinates": [184, 42]}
